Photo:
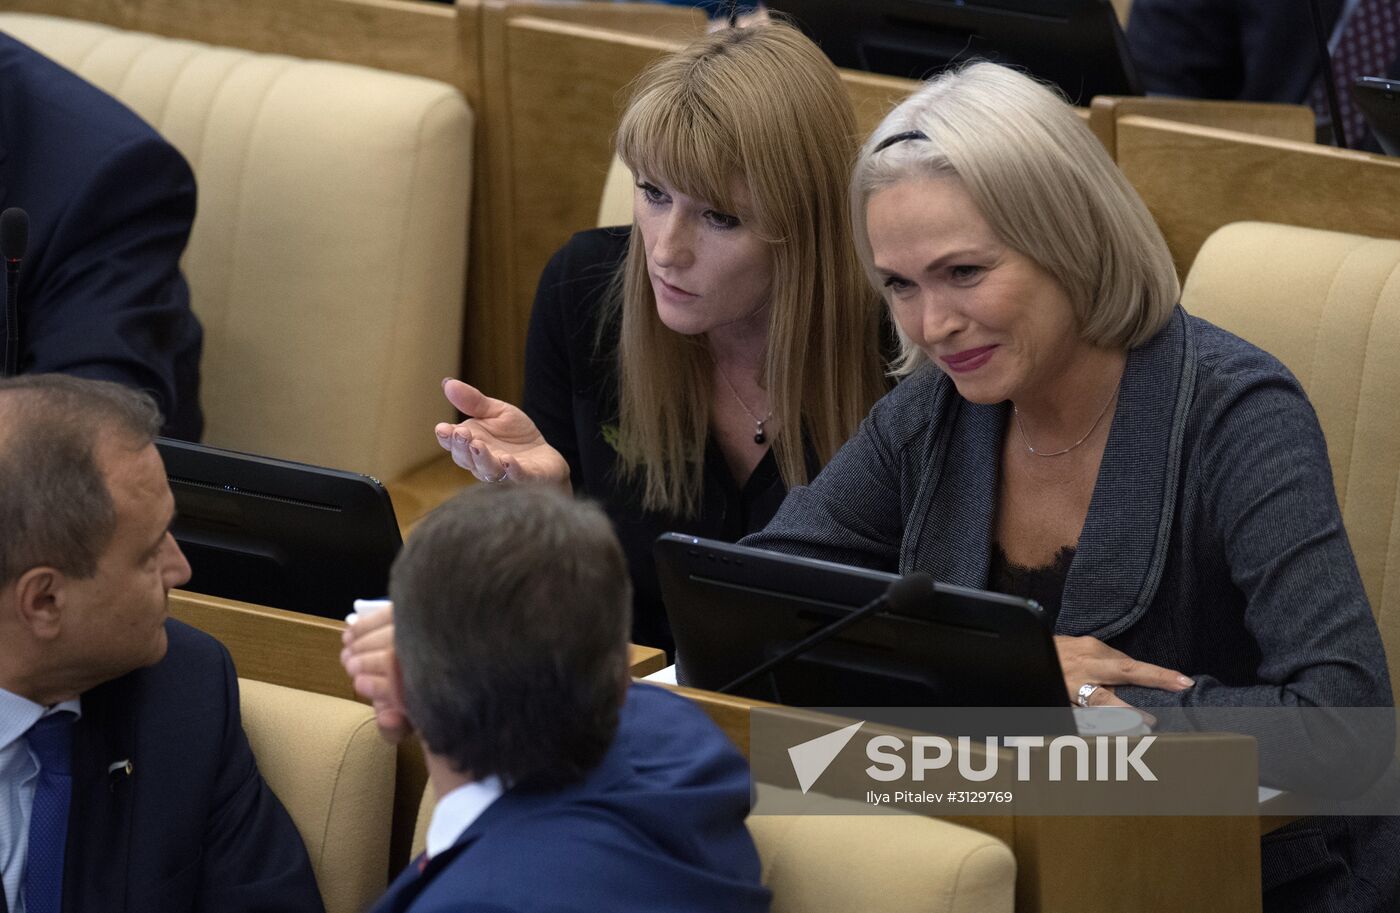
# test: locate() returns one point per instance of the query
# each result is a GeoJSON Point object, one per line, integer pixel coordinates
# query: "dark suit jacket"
{"type": "Point", "coordinates": [110, 206]}
{"type": "Point", "coordinates": [657, 825]}
{"type": "Point", "coordinates": [1250, 50]}
{"type": "Point", "coordinates": [192, 827]}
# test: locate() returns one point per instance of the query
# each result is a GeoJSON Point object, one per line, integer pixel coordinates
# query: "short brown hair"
{"type": "Point", "coordinates": [54, 505]}
{"type": "Point", "coordinates": [511, 611]}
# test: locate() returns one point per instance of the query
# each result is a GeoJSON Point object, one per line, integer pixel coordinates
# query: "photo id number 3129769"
{"type": "Point", "coordinates": [952, 797]}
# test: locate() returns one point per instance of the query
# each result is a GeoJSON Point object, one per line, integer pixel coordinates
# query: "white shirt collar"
{"type": "Point", "coordinates": [457, 810]}
{"type": "Point", "coordinates": [17, 714]}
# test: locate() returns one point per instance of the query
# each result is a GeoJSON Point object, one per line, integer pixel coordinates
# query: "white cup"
{"type": "Point", "coordinates": [1106, 721]}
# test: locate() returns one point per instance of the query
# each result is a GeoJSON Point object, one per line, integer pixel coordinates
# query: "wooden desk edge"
{"type": "Point", "coordinates": [260, 637]}
{"type": "Point", "coordinates": [645, 660]}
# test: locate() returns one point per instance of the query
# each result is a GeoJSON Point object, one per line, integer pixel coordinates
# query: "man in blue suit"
{"type": "Point", "coordinates": [560, 787]}
{"type": "Point", "coordinates": [126, 782]}
{"type": "Point", "coordinates": [110, 206]}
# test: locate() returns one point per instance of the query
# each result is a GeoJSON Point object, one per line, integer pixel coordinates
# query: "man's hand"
{"type": "Point", "coordinates": [368, 658]}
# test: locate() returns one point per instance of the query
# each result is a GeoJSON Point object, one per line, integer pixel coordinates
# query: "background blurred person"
{"type": "Point", "coordinates": [110, 206]}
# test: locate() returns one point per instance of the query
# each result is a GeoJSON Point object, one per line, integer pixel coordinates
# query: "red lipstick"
{"type": "Point", "coordinates": [968, 359]}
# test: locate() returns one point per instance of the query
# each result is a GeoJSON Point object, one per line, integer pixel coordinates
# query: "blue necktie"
{"type": "Point", "coordinates": [51, 740]}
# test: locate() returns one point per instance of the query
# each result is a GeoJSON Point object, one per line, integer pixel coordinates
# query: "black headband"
{"type": "Point", "coordinates": [899, 138]}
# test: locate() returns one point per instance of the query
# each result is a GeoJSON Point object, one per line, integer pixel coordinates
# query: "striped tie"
{"type": "Point", "coordinates": [51, 740]}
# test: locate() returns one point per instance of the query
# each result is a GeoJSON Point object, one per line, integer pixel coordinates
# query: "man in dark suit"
{"type": "Point", "coordinates": [1247, 50]}
{"type": "Point", "coordinates": [560, 787]}
{"type": "Point", "coordinates": [110, 205]}
{"type": "Point", "coordinates": [1265, 50]}
{"type": "Point", "coordinates": [126, 782]}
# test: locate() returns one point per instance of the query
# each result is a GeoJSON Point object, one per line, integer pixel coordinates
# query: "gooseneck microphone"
{"type": "Point", "coordinates": [900, 596]}
{"type": "Point", "coordinates": [14, 241]}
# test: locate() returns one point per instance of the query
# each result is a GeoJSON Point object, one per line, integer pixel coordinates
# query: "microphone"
{"type": "Point", "coordinates": [901, 595]}
{"type": "Point", "coordinates": [14, 241]}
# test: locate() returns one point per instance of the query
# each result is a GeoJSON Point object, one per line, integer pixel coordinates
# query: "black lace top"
{"type": "Point", "coordinates": [1046, 585]}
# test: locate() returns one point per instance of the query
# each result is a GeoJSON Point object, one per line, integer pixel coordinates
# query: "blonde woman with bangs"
{"type": "Point", "coordinates": [686, 371]}
{"type": "Point", "coordinates": [1066, 432]}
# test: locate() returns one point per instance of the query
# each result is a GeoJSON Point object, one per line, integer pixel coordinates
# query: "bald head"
{"type": "Point", "coordinates": [54, 502]}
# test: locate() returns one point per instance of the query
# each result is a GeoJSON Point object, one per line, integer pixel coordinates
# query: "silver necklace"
{"type": "Point", "coordinates": [759, 435]}
{"type": "Point", "coordinates": [1016, 413]}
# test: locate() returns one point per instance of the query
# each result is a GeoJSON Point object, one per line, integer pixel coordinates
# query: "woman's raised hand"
{"type": "Point", "coordinates": [497, 442]}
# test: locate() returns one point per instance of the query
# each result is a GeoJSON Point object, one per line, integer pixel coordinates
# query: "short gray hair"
{"type": "Point", "coordinates": [511, 611]}
{"type": "Point", "coordinates": [55, 508]}
{"type": "Point", "coordinates": [1044, 184]}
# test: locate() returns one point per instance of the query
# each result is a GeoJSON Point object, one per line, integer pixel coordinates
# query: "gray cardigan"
{"type": "Point", "coordinates": [1213, 544]}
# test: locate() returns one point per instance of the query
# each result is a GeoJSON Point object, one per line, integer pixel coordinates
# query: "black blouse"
{"type": "Point", "coordinates": [571, 394]}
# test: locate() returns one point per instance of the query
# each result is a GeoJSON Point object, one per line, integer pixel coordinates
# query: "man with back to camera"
{"type": "Point", "coordinates": [560, 786]}
{"type": "Point", "coordinates": [126, 782]}
{"type": "Point", "coordinates": [110, 206]}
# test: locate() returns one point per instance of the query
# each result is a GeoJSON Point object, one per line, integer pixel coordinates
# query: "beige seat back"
{"type": "Point", "coordinates": [324, 759]}
{"type": "Point", "coordinates": [615, 208]}
{"type": "Point", "coordinates": [893, 863]}
{"type": "Point", "coordinates": [1328, 306]}
{"type": "Point", "coordinates": [327, 261]}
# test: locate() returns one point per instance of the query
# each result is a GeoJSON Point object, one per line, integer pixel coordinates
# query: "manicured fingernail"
{"type": "Point", "coordinates": [1185, 682]}
{"type": "Point", "coordinates": [476, 449]}
{"type": "Point", "coordinates": [443, 435]}
{"type": "Point", "coordinates": [445, 380]}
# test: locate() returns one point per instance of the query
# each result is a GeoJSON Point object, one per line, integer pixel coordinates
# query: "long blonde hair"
{"type": "Point", "coordinates": [763, 104]}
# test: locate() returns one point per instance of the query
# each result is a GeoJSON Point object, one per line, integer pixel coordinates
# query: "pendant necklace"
{"type": "Point", "coordinates": [760, 436]}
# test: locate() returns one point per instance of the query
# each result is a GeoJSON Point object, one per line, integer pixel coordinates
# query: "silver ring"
{"type": "Point", "coordinates": [494, 481]}
{"type": "Point", "coordinates": [1086, 691]}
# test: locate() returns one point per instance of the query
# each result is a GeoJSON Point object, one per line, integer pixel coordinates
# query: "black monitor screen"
{"type": "Point", "coordinates": [279, 533]}
{"type": "Point", "coordinates": [1076, 44]}
{"type": "Point", "coordinates": [1379, 101]}
{"type": "Point", "coordinates": [732, 608]}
